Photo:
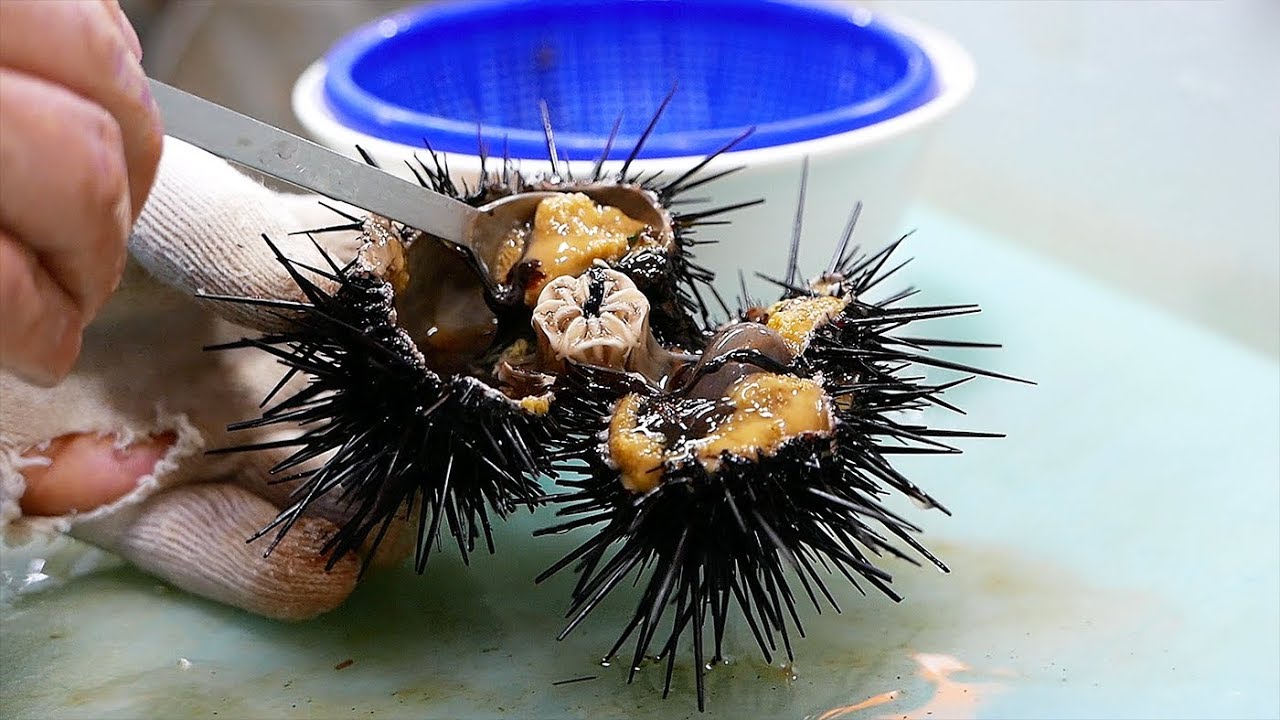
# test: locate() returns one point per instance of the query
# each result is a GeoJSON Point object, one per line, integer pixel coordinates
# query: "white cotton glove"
{"type": "Point", "coordinates": [143, 378]}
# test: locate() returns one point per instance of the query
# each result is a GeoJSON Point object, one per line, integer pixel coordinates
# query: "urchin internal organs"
{"type": "Point", "coordinates": [598, 318]}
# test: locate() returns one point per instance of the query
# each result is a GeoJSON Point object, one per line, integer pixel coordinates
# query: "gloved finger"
{"type": "Point", "coordinates": [194, 537]}
{"type": "Point", "coordinates": [202, 228]}
{"type": "Point", "coordinates": [379, 550]}
{"type": "Point", "coordinates": [196, 541]}
{"type": "Point", "coordinates": [63, 186]}
{"type": "Point", "coordinates": [78, 472]}
{"type": "Point", "coordinates": [81, 46]}
{"type": "Point", "coordinates": [40, 332]}
{"type": "Point", "coordinates": [132, 395]}
{"type": "Point", "coordinates": [141, 375]}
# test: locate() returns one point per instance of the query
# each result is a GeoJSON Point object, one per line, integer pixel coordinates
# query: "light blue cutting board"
{"type": "Point", "coordinates": [1116, 556]}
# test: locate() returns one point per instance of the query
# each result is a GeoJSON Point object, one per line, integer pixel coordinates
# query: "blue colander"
{"type": "Point", "coordinates": [449, 73]}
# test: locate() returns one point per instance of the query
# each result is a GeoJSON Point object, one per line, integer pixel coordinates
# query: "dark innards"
{"type": "Point", "coordinates": [717, 462]}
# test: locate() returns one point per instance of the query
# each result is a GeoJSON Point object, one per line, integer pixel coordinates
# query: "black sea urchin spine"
{"type": "Point", "coordinates": [382, 436]}
{"type": "Point", "coordinates": [748, 532]}
{"type": "Point", "coordinates": [709, 540]}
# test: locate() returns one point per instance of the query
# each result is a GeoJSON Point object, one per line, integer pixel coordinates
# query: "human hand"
{"type": "Point", "coordinates": [115, 454]}
{"type": "Point", "coordinates": [80, 138]}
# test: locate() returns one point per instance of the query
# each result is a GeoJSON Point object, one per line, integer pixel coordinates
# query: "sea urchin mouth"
{"type": "Point", "coordinates": [597, 318]}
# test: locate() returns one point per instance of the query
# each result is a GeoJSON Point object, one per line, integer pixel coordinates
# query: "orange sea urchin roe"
{"type": "Point", "coordinates": [768, 410]}
{"type": "Point", "coordinates": [758, 414]}
{"type": "Point", "coordinates": [797, 318]}
{"type": "Point", "coordinates": [635, 452]}
{"type": "Point", "coordinates": [569, 232]}
{"type": "Point", "coordinates": [536, 404]}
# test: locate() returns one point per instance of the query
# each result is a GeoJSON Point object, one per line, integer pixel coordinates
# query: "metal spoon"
{"type": "Point", "coordinates": [283, 155]}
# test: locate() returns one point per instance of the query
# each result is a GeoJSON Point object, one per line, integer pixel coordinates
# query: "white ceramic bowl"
{"type": "Point", "coordinates": [877, 164]}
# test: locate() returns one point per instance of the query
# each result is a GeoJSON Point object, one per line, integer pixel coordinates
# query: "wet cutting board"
{"type": "Point", "coordinates": [1117, 555]}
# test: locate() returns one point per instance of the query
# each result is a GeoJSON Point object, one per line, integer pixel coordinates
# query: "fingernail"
{"type": "Point", "coordinates": [131, 37]}
{"type": "Point", "coordinates": [128, 33]}
{"type": "Point", "coordinates": [128, 71]}
{"type": "Point", "coordinates": [149, 101]}
{"type": "Point", "coordinates": [93, 305]}
{"type": "Point", "coordinates": [72, 328]}
{"type": "Point", "coordinates": [63, 347]}
{"type": "Point", "coordinates": [124, 216]}
{"type": "Point", "coordinates": [118, 272]}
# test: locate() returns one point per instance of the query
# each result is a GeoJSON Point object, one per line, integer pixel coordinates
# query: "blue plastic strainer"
{"type": "Point", "coordinates": [795, 71]}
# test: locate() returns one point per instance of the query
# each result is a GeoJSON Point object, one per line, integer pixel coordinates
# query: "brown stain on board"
{"type": "Point", "coordinates": [999, 609]}
{"type": "Point", "coordinates": [873, 701]}
{"type": "Point", "coordinates": [951, 698]}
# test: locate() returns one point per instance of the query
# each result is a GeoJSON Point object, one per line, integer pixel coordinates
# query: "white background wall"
{"type": "Point", "coordinates": [1139, 141]}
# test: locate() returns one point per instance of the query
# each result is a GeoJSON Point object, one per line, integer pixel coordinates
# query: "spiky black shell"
{"type": "Point", "coordinates": [391, 436]}
{"type": "Point", "coordinates": [387, 435]}
{"type": "Point", "coordinates": [704, 540]}
{"type": "Point", "coordinates": [395, 437]}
